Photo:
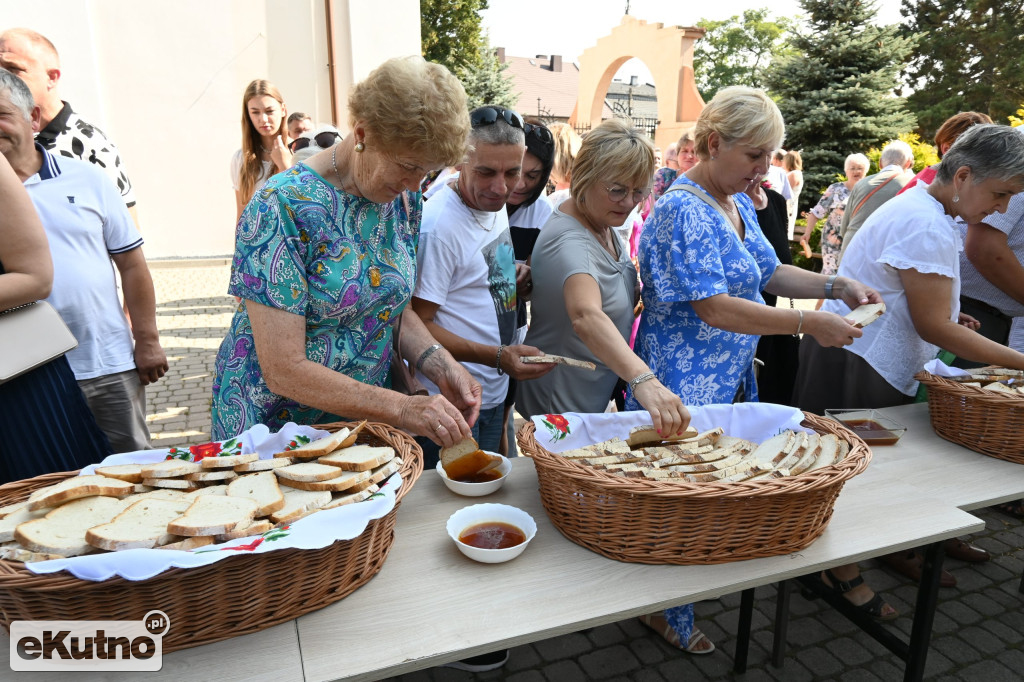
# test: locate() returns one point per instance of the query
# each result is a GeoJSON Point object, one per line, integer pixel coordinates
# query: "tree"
{"type": "Point", "coordinates": [450, 33]}
{"type": "Point", "coordinates": [738, 50]}
{"type": "Point", "coordinates": [487, 82]}
{"type": "Point", "coordinates": [970, 60]}
{"type": "Point", "coordinates": [835, 91]}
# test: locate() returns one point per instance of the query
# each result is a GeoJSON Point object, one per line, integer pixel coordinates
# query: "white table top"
{"type": "Point", "coordinates": [967, 479]}
{"type": "Point", "coordinates": [430, 604]}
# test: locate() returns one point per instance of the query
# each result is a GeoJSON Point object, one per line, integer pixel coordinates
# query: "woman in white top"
{"type": "Point", "coordinates": [264, 149]}
{"type": "Point", "coordinates": [908, 250]}
{"type": "Point", "coordinates": [794, 167]}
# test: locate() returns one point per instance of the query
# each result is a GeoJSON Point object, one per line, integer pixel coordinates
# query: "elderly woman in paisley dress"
{"type": "Point", "coordinates": [325, 261]}
{"type": "Point", "coordinates": [704, 261]}
{"type": "Point", "coordinates": [831, 207]}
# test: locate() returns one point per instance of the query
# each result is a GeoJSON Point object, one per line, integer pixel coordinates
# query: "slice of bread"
{"type": "Point", "coordinates": [382, 472]}
{"type": "Point", "coordinates": [170, 468]}
{"type": "Point", "coordinates": [465, 458]}
{"type": "Point", "coordinates": [143, 525]}
{"type": "Point", "coordinates": [209, 490]}
{"type": "Point", "coordinates": [22, 555]}
{"type": "Point", "coordinates": [16, 518]}
{"type": "Point", "coordinates": [172, 483]}
{"type": "Point", "coordinates": [190, 543]}
{"type": "Point", "coordinates": [264, 464]}
{"type": "Point", "coordinates": [63, 530]}
{"type": "Point", "coordinates": [214, 515]}
{"type": "Point", "coordinates": [125, 472]}
{"type": "Point", "coordinates": [261, 488]}
{"type": "Point", "coordinates": [341, 499]}
{"type": "Point", "coordinates": [298, 502]}
{"type": "Point", "coordinates": [646, 435]}
{"type": "Point", "coordinates": [11, 508]}
{"type": "Point", "coordinates": [346, 480]}
{"type": "Point", "coordinates": [319, 447]}
{"type": "Point", "coordinates": [358, 457]}
{"type": "Point", "coordinates": [77, 487]}
{"type": "Point", "coordinates": [258, 527]}
{"type": "Point", "coordinates": [863, 315]}
{"type": "Point", "coordinates": [212, 475]}
{"type": "Point", "coordinates": [227, 461]}
{"type": "Point", "coordinates": [308, 471]}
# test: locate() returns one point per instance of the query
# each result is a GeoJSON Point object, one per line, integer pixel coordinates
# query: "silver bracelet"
{"type": "Point", "coordinates": [498, 363]}
{"type": "Point", "coordinates": [829, 283]}
{"type": "Point", "coordinates": [426, 354]}
{"type": "Point", "coordinates": [800, 326]}
{"type": "Point", "coordinates": [639, 379]}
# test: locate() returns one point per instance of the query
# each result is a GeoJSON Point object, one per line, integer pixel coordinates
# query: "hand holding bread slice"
{"type": "Point", "coordinates": [465, 458]}
{"type": "Point", "coordinates": [862, 316]}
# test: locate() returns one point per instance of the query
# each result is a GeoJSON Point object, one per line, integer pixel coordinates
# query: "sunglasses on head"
{"type": "Point", "coordinates": [323, 140]}
{"type": "Point", "coordinates": [540, 132]}
{"type": "Point", "coordinates": [488, 116]}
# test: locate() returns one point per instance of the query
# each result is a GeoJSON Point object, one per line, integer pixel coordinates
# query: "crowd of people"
{"type": "Point", "coordinates": [443, 223]}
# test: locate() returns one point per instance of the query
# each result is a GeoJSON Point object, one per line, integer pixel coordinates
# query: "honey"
{"type": "Point", "coordinates": [492, 535]}
{"type": "Point", "coordinates": [872, 432]}
{"type": "Point", "coordinates": [481, 477]}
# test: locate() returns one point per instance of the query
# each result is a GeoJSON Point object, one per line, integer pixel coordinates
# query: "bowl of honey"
{"type": "Point", "coordinates": [872, 426]}
{"type": "Point", "coordinates": [480, 484]}
{"type": "Point", "coordinates": [491, 533]}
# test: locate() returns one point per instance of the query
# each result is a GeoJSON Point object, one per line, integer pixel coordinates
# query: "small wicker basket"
{"type": "Point", "coordinates": [232, 597]}
{"type": "Point", "coordinates": [661, 522]}
{"type": "Point", "coordinates": [984, 421]}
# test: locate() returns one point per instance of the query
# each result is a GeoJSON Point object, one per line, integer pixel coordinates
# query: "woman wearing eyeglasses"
{"type": "Point", "coordinates": [325, 262]}
{"type": "Point", "coordinates": [264, 141]}
{"type": "Point", "coordinates": [585, 286]}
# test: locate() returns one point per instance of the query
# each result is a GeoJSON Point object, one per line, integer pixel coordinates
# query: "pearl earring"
{"type": "Point", "coordinates": [956, 198]}
{"type": "Point", "coordinates": [713, 158]}
{"type": "Point", "coordinates": [360, 147]}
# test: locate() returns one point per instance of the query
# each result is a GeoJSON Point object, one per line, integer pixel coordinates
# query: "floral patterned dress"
{"type": "Point", "coordinates": [345, 264]}
{"type": "Point", "coordinates": [832, 204]}
{"type": "Point", "coordinates": [688, 252]}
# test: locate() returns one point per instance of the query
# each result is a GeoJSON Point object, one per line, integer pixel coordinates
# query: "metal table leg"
{"type": "Point", "coordinates": [743, 630]}
{"type": "Point", "coordinates": [781, 623]}
{"type": "Point", "coordinates": [924, 612]}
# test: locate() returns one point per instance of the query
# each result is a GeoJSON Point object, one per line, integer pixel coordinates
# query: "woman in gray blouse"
{"type": "Point", "coordinates": [585, 286]}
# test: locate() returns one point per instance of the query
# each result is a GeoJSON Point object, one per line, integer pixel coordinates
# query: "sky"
{"type": "Point", "coordinates": [526, 28]}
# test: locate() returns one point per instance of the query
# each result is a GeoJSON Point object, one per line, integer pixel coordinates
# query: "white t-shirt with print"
{"type": "Point", "coordinates": [466, 265]}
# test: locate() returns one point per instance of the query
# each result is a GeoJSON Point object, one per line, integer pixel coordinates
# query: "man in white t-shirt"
{"type": "Point", "coordinates": [88, 226]}
{"type": "Point", "coordinates": [467, 274]}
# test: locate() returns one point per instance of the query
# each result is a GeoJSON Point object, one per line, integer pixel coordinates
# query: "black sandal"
{"type": "Point", "coordinates": [873, 607]}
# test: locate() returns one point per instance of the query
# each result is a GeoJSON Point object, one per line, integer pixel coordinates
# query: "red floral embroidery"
{"type": "Point", "coordinates": [249, 547]}
{"type": "Point", "coordinates": [558, 421]}
{"type": "Point", "coordinates": [205, 450]}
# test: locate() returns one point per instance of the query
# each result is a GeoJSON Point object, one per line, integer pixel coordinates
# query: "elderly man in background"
{"type": "Point", "coordinates": [34, 59]}
{"type": "Point", "coordinates": [87, 226]}
{"type": "Point", "coordinates": [466, 288]}
{"type": "Point", "coordinates": [896, 162]}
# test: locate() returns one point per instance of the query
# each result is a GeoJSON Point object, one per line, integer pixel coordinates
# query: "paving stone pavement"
{"type": "Point", "coordinates": [978, 632]}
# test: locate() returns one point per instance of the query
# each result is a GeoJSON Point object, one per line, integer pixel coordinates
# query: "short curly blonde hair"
{"type": "Point", "coordinates": [413, 106]}
{"type": "Point", "coordinates": [614, 151]}
{"type": "Point", "coordinates": [739, 114]}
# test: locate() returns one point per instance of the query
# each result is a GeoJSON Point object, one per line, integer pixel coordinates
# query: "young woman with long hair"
{"type": "Point", "coordinates": [264, 149]}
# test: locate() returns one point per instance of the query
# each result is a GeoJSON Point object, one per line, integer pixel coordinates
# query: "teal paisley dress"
{"type": "Point", "coordinates": [345, 264]}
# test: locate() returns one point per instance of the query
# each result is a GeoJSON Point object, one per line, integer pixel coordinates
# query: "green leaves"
{"type": "Point", "coordinates": [738, 50]}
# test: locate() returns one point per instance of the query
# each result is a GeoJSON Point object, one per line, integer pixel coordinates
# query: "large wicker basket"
{"type": "Point", "coordinates": [662, 522]}
{"type": "Point", "coordinates": [232, 597]}
{"type": "Point", "coordinates": [984, 421]}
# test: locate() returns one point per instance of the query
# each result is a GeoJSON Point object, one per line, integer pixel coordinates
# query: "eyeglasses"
{"type": "Point", "coordinates": [540, 132]}
{"type": "Point", "coordinates": [488, 116]}
{"type": "Point", "coordinates": [323, 140]}
{"type": "Point", "coordinates": [617, 194]}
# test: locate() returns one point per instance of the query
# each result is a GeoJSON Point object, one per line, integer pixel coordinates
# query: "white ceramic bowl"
{"type": "Point", "coordinates": [477, 489]}
{"type": "Point", "coordinates": [482, 513]}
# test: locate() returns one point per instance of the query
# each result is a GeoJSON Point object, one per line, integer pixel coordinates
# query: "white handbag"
{"type": "Point", "coordinates": [31, 335]}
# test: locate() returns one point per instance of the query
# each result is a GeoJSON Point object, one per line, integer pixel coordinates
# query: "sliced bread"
{"type": "Point", "coordinates": [125, 472]}
{"type": "Point", "coordinates": [16, 518]}
{"type": "Point", "coordinates": [172, 483]}
{"type": "Point", "coordinates": [214, 515]}
{"type": "Point", "coordinates": [319, 447]}
{"type": "Point", "coordinates": [346, 480]}
{"type": "Point", "coordinates": [641, 436]}
{"type": "Point", "coordinates": [63, 530]}
{"type": "Point", "coordinates": [465, 458]}
{"type": "Point", "coordinates": [11, 508]}
{"type": "Point", "coordinates": [341, 499]}
{"type": "Point", "coordinates": [264, 465]}
{"type": "Point", "coordinates": [170, 468]}
{"type": "Point", "coordinates": [206, 475]}
{"type": "Point", "coordinates": [143, 525]}
{"type": "Point", "coordinates": [258, 527]}
{"type": "Point", "coordinates": [227, 461]}
{"type": "Point", "coordinates": [863, 315]}
{"type": "Point", "coordinates": [358, 457]}
{"type": "Point", "coordinates": [189, 543]}
{"type": "Point", "coordinates": [209, 490]}
{"type": "Point", "coordinates": [261, 488]}
{"type": "Point", "coordinates": [77, 487]}
{"type": "Point", "coordinates": [308, 471]}
{"type": "Point", "coordinates": [298, 502]}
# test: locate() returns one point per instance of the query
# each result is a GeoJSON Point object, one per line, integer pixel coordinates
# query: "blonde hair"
{"type": "Point", "coordinates": [567, 146]}
{"type": "Point", "coordinates": [614, 151]}
{"type": "Point", "coordinates": [685, 139]}
{"type": "Point", "coordinates": [739, 114]}
{"type": "Point", "coordinates": [252, 163]}
{"type": "Point", "coordinates": [410, 105]}
{"type": "Point", "coordinates": [793, 161]}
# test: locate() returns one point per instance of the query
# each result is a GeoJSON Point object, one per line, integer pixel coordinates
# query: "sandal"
{"type": "Point", "coordinates": [1014, 509]}
{"type": "Point", "coordinates": [658, 624]}
{"type": "Point", "coordinates": [874, 607]}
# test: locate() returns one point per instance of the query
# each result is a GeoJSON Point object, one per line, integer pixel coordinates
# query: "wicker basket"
{"type": "Point", "coordinates": [984, 421]}
{"type": "Point", "coordinates": [661, 522]}
{"type": "Point", "coordinates": [232, 597]}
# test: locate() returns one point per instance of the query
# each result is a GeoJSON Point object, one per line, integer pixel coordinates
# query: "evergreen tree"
{"type": "Point", "coordinates": [972, 59]}
{"type": "Point", "coordinates": [487, 82]}
{"type": "Point", "coordinates": [835, 92]}
{"type": "Point", "coordinates": [450, 33]}
{"type": "Point", "coordinates": [738, 50]}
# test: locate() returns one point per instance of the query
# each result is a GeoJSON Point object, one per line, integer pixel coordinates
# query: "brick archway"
{"type": "Point", "coordinates": [667, 52]}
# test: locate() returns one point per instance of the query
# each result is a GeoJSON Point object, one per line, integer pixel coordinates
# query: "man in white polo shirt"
{"type": "Point", "coordinates": [87, 226]}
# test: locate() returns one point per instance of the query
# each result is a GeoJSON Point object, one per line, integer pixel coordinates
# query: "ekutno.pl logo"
{"type": "Point", "coordinates": [70, 645]}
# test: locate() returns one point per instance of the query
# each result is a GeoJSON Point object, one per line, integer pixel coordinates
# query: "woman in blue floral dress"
{"type": "Point", "coordinates": [325, 262]}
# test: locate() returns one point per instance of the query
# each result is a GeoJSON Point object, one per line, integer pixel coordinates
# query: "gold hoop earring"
{"type": "Point", "coordinates": [360, 147]}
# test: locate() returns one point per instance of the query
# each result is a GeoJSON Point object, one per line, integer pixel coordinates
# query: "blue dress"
{"type": "Point", "coordinates": [688, 252]}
